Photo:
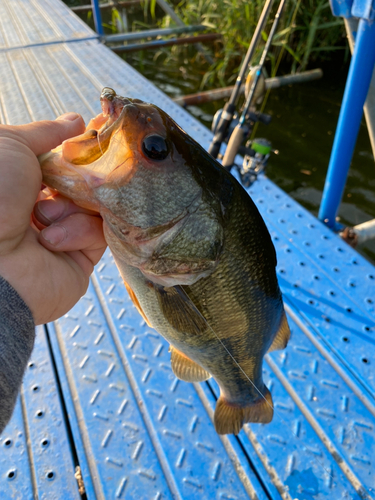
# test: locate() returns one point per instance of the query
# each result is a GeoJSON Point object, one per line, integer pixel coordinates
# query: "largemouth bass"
{"type": "Point", "coordinates": [195, 255]}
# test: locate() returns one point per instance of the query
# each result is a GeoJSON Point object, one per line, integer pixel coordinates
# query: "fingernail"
{"type": "Point", "coordinates": [71, 116]}
{"type": "Point", "coordinates": [54, 234]}
{"type": "Point", "coordinates": [50, 210]}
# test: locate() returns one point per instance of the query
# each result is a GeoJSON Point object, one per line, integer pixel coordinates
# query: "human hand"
{"type": "Point", "coordinates": [47, 251]}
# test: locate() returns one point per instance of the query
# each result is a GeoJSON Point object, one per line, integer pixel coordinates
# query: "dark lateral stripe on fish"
{"type": "Point", "coordinates": [180, 311]}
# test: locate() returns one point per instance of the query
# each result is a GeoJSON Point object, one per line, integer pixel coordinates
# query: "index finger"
{"type": "Point", "coordinates": [41, 137]}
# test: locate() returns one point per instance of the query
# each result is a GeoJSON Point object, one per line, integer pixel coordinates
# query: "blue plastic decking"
{"type": "Point", "coordinates": [99, 394]}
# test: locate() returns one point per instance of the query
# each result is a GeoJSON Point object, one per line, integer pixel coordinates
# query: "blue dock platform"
{"type": "Point", "coordinates": [101, 416]}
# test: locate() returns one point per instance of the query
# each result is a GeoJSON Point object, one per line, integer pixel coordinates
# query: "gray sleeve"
{"type": "Point", "coordinates": [17, 334]}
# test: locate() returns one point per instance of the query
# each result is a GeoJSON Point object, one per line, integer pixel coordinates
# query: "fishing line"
{"type": "Point", "coordinates": [248, 378]}
{"type": "Point", "coordinates": [225, 347]}
{"type": "Point", "coordinates": [105, 158]}
{"type": "Point", "coordinates": [100, 147]}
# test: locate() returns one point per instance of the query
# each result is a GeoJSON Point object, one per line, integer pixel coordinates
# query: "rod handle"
{"type": "Point", "coordinates": [234, 143]}
{"type": "Point", "coordinates": [221, 130]}
{"type": "Point", "coordinates": [214, 148]}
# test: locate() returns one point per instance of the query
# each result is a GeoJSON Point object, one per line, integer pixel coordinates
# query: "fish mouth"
{"type": "Point", "coordinates": [87, 149]}
{"type": "Point", "coordinates": [89, 155]}
{"type": "Point", "coordinates": [105, 123]}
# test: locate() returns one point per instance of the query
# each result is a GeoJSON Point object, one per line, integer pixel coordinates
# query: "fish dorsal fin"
{"type": "Point", "coordinates": [282, 336]}
{"type": "Point", "coordinates": [136, 303]}
{"type": "Point", "coordinates": [179, 310]}
{"type": "Point", "coordinates": [186, 369]}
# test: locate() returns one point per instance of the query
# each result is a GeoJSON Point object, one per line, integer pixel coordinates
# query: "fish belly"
{"type": "Point", "coordinates": [230, 348]}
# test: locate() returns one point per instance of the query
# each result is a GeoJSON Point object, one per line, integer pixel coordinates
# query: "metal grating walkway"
{"type": "Point", "coordinates": [99, 392]}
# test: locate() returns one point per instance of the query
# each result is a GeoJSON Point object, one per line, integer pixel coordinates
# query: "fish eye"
{"type": "Point", "coordinates": [155, 147]}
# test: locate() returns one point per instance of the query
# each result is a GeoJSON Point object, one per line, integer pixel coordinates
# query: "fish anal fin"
{"type": "Point", "coordinates": [229, 418]}
{"type": "Point", "coordinates": [136, 303]}
{"type": "Point", "coordinates": [179, 310]}
{"type": "Point", "coordinates": [186, 369]}
{"type": "Point", "coordinates": [282, 336]}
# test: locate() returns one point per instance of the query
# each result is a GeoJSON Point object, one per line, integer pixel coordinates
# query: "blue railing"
{"type": "Point", "coordinates": [97, 17]}
{"type": "Point", "coordinates": [357, 85]}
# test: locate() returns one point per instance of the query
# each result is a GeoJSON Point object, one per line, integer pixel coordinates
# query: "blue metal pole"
{"type": "Point", "coordinates": [357, 85]}
{"type": "Point", "coordinates": [97, 17]}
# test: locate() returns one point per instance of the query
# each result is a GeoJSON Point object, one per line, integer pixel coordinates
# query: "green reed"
{"type": "Point", "coordinates": [307, 33]}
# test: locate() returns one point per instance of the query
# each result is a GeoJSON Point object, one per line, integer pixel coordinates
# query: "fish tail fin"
{"type": "Point", "coordinates": [282, 336]}
{"type": "Point", "coordinates": [229, 418]}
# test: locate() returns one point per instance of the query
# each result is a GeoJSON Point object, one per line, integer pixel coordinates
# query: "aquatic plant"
{"type": "Point", "coordinates": [307, 32]}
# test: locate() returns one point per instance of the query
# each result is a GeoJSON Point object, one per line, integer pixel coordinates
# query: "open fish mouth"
{"type": "Point", "coordinates": [89, 156]}
{"type": "Point", "coordinates": [105, 122]}
{"type": "Point", "coordinates": [90, 146]}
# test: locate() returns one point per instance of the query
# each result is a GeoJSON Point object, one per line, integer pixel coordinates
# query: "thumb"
{"type": "Point", "coordinates": [45, 135]}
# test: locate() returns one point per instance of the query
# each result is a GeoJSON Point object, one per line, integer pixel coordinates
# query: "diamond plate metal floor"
{"type": "Point", "coordinates": [36, 22]}
{"type": "Point", "coordinates": [99, 392]}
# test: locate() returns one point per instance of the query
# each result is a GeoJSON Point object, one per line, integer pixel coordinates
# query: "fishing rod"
{"type": "Point", "coordinates": [230, 106]}
{"type": "Point", "coordinates": [238, 133]}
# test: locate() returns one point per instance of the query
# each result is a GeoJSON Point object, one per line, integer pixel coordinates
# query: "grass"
{"type": "Point", "coordinates": [307, 33]}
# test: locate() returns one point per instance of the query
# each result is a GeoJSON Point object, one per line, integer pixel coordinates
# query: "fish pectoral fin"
{"type": "Point", "coordinates": [186, 369]}
{"type": "Point", "coordinates": [136, 303]}
{"type": "Point", "coordinates": [229, 419]}
{"type": "Point", "coordinates": [282, 336]}
{"type": "Point", "coordinates": [179, 310]}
